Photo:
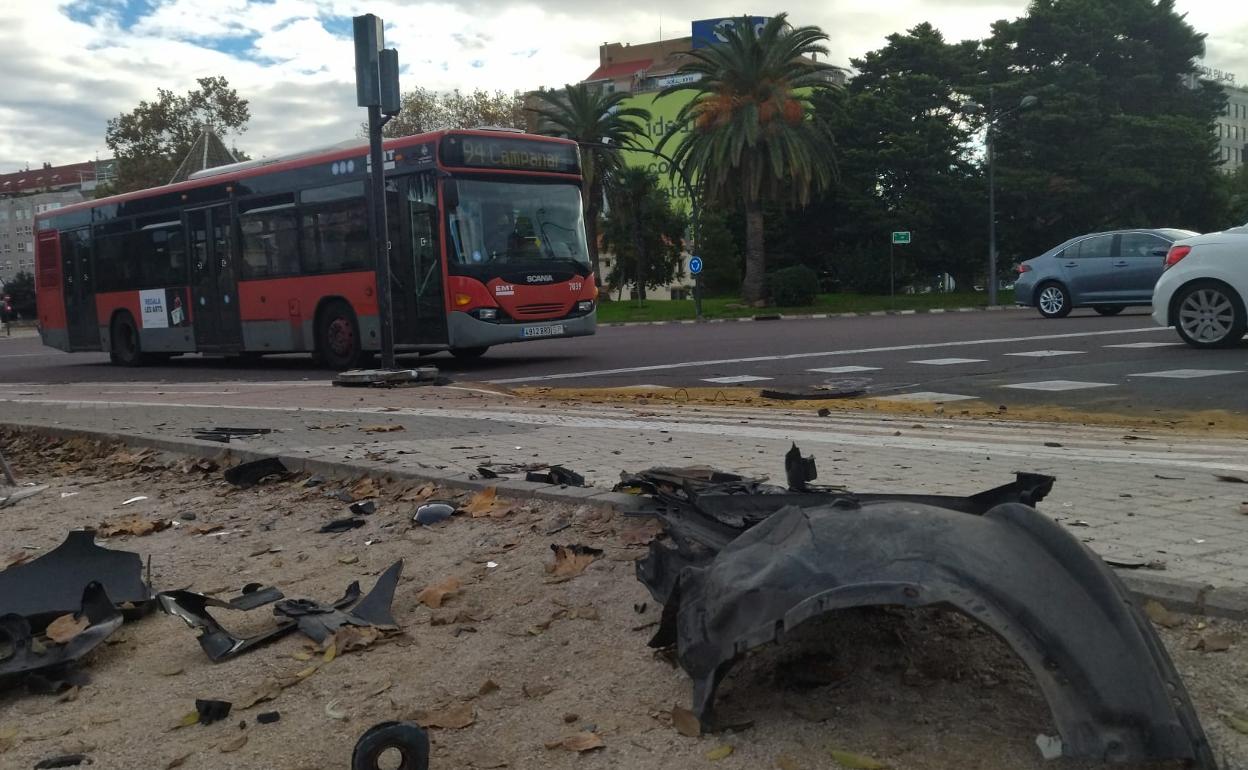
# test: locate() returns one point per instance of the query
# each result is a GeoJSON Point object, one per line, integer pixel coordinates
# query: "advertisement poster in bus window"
{"type": "Point", "coordinates": [163, 308]}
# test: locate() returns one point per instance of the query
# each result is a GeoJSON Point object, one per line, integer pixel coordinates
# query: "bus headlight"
{"type": "Point", "coordinates": [487, 313]}
{"type": "Point", "coordinates": [585, 306]}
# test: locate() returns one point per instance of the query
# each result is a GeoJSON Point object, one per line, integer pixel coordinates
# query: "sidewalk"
{"type": "Point", "coordinates": [1139, 497]}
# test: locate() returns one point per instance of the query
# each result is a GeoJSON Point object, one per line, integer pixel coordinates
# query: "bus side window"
{"type": "Point", "coordinates": [115, 268]}
{"type": "Point", "coordinates": [334, 228]}
{"type": "Point", "coordinates": [160, 250]}
{"type": "Point", "coordinates": [270, 230]}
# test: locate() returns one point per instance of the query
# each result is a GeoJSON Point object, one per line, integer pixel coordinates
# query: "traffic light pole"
{"type": "Point", "coordinates": [381, 235]}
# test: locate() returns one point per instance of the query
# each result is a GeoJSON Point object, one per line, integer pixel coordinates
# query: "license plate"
{"type": "Point", "coordinates": [543, 331]}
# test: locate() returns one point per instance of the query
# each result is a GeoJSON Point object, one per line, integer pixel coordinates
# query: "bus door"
{"type": "Point", "coordinates": [84, 327]}
{"type": "Point", "coordinates": [214, 280]}
{"type": "Point", "coordinates": [418, 299]}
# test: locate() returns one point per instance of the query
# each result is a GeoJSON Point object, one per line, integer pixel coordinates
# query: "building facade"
{"type": "Point", "coordinates": [1233, 129]}
{"type": "Point", "coordinates": [23, 194]}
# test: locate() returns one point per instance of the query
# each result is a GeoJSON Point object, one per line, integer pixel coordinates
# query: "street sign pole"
{"type": "Point", "coordinates": [695, 268]}
{"type": "Point", "coordinates": [892, 285]}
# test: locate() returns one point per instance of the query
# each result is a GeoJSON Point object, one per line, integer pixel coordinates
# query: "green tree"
{"type": "Point", "coordinates": [426, 110]}
{"type": "Point", "coordinates": [1124, 134]}
{"type": "Point", "coordinates": [643, 230]}
{"type": "Point", "coordinates": [21, 291]}
{"type": "Point", "coordinates": [592, 116]}
{"type": "Point", "coordinates": [1236, 189]}
{"type": "Point", "coordinates": [720, 251]}
{"type": "Point", "coordinates": [750, 134]}
{"type": "Point", "coordinates": [152, 139]}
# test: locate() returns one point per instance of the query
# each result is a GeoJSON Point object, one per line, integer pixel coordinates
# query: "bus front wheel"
{"type": "Point", "coordinates": [469, 353]}
{"type": "Point", "coordinates": [338, 337]}
{"type": "Point", "coordinates": [124, 347]}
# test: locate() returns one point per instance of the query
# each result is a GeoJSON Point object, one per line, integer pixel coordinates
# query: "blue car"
{"type": "Point", "coordinates": [1105, 271]}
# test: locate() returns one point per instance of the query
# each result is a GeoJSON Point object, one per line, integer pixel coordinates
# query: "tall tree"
{"type": "Point", "coordinates": [21, 291]}
{"type": "Point", "coordinates": [152, 139]}
{"type": "Point", "coordinates": [643, 230]}
{"type": "Point", "coordinates": [1124, 134]}
{"type": "Point", "coordinates": [593, 117]}
{"type": "Point", "coordinates": [750, 134]}
{"type": "Point", "coordinates": [426, 110]}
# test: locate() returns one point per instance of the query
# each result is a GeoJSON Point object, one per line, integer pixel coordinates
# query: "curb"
{"type": "Point", "coordinates": [1174, 593]}
{"type": "Point", "coordinates": [764, 316]}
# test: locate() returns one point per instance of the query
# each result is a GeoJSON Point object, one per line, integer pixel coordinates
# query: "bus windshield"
{"type": "Point", "coordinates": [512, 224]}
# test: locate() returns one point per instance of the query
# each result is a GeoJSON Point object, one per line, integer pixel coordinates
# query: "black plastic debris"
{"type": "Point", "coordinates": [268, 717]}
{"type": "Point", "coordinates": [409, 740]}
{"type": "Point", "coordinates": [433, 512]}
{"type": "Point", "coordinates": [252, 473]}
{"type": "Point", "coordinates": [743, 563]}
{"type": "Point", "coordinates": [64, 760]}
{"type": "Point", "coordinates": [45, 666]}
{"type": "Point", "coordinates": [212, 710]}
{"type": "Point", "coordinates": [556, 474]}
{"type": "Point", "coordinates": [315, 620]}
{"type": "Point", "coordinates": [830, 390]}
{"type": "Point", "coordinates": [52, 585]}
{"type": "Point", "coordinates": [366, 508]}
{"type": "Point", "coordinates": [225, 435]}
{"type": "Point", "coordinates": [389, 378]}
{"type": "Point", "coordinates": [486, 472]}
{"type": "Point", "coordinates": [342, 525]}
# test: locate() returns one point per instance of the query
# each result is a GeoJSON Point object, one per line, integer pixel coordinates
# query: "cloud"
{"type": "Point", "coordinates": [70, 65]}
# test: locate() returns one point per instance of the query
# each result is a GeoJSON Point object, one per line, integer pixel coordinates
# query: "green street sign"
{"type": "Point", "coordinates": [901, 237]}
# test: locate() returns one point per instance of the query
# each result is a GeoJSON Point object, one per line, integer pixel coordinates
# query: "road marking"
{"type": "Point", "coordinates": [735, 379]}
{"type": "Point", "coordinates": [823, 354]}
{"type": "Point", "coordinates": [927, 396]}
{"type": "Point", "coordinates": [950, 361]}
{"type": "Point", "coordinates": [1047, 353]}
{"type": "Point", "coordinates": [1056, 386]}
{"type": "Point", "coordinates": [845, 369]}
{"type": "Point", "coordinates": [1187, 374]}
{"type": "Point", "coordinates": [1143, 345]}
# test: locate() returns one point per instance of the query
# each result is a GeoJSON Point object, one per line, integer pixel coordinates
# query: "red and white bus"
{"type": "Point", "coordinates": [487, 246]}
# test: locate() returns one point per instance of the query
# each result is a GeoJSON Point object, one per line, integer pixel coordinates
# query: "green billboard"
{"type": "Point", "coordinates": [662, 115]}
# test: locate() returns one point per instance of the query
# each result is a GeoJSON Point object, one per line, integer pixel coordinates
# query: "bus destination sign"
{"type": "Point", "coordinates": [488, 152]}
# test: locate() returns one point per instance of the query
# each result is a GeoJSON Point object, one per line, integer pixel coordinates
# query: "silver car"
{"type": "Point", "coordinates": [1105, 271]}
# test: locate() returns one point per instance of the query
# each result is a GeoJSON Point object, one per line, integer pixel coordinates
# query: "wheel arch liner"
{"type": "Point", "coordinates": [1112, 688]}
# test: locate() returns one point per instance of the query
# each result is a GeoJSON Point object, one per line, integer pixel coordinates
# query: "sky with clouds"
{"type": "Point", "coordinates": [70, 65]}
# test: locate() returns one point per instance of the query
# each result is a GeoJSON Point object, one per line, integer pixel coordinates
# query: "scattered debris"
{"type": "Point", "coordinates": [856, 761]}
{"type": "Point", "coordinates": [558, 475]}
{"type": "Point", "coordinates": [408, 739]}
{"type": "Point", "coordinates": [64, 760]}
{"type": "Point", "coordinates": [252, 473]}
{"type": "Point", "coordinates": [433, 512]}
{"type": "Point", "coordinates": [268, 717]}
{"type": "Point", "coordinates": [433, 596]}
{"type": "Point", "coordinates": [225, 435]}
{"type": "Point", "coordinates": [388, 378]}
{"type": "Point", "coordinates": [686, 722]}
{"type": "Point", "coordinates": [571, 560]}
{"type": "Point", "coordinates": [992, 556]}
{"type": "Point", "coordinates": [20, 494]}
{"type": "Point", "coordinates": [1215, 643]}
{"type": "Point", "coordinates": [210, 711]}
{"type": "Point", "coordinates": [136, 526]}
{"type": "Point", "coordinates": [579, 743]}
{"type": "Point", "coordinates": [234, 744]}
{"type": "Point", "coordinates": [24, 658]}
{"type": "Point", "coordinates": [366, 508]}
{"type": "Point", "coordinates": [43, 589]}
{"type": "Point", "coordinates": [1050, 747]}
{"type": "Point", "coordinates": [318, 622]}
{"type": "Point", "coordinates": [1162, 616]}
{"type": "Point", "coordinates": [388, 428]}
{"type": "Point", "coordinates": [723, 751]}
{"type": "Point", "coordinates": [342, 525]}
{"type": "Point", "coordinates": [486, 503]}
{"type": "Point", "coordinates": [1231, 479]}
{"type": "Point", "coordinates": [450, 718]}
{"type": "Point", "coordinates": [828, 390]}
{"type": "Point", "coordinates": [333, 712]}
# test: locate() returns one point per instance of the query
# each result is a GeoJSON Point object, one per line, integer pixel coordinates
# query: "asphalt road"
{"type": "Point", "coordinates": [1010, 357]}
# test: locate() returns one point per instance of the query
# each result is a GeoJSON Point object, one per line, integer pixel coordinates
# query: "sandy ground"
{"type": "Point", "coordinates": [924, 690]}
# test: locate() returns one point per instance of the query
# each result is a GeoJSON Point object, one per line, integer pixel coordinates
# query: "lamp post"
{"type": "Point", "coordinates": [693, 210]}
{"type": "Point", "coordinates": [994, 117]}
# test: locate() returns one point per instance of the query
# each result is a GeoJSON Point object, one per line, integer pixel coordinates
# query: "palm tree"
{"type": "Point", "coordinates": [750, 134]}
{"type": "Point", "coordinates": [592, 116]}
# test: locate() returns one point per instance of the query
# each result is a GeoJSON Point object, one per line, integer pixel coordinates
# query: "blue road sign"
{"type": "Point", "coordinates": [695, 265]}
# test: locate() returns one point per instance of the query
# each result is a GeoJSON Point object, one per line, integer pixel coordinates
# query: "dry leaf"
{"type": "Point", "coordinates": [348, 559]}
{"type": "Point", "coordinates": [450, 718]}
{"type": "Point", "coordinates": [8, 738]}
{"type": "Point", "coordinates": [785, 762]}
{"type": "Point", "coordinates": [536, 690]}
{"type": "Point", "coordinates": [571, 560]}
{"type": "Point", "coordinates": [686, 722]}
{"type": "Point", "coordinates": [179, 760]}
{"type": "Point", "coordinates": [433, 596]}
{"type": "Point", "coordinates": [642, 533]}
{"type": "Point", "coordinates": [189, 719]}
{"type": "Point", "coordinates": [418, 495]}
{"type": "Point", "coordinates": [21, 557]}
{"type": "Point", "coordinates": [719, 752]}
{"type": "Point", "coordinates": [350, 638]}
{"type": "Point", "coordinates": [207, 529]}
{"type": "Point", "coordinates": [856, 761]}
{"type": "Point", "coordinates": [1237, 722]}
{"type": "Point", "coordinates": [1162, 616]}
{"type": "Point", "coordinates": [265, 691]}
{"type": "Point", "coordinates": [65, 628]}
{"type": "Point", "coordinates": [365, 488]}
{"type": "Point", "coordinates": [235, 744]}
{"type": "Point", "coordinates": [580, 742]}
{"type": "Point", "coordinates": [302, 655]}
{"type": "Point", "coordinates": [486, 503]}
{"type": "Point", "coordinates": [487, 687]}
{"type": "Point", "coordinates": [381, 688]}
{"type": "Point", "coordinates": [331, 652]}
{"type": "Point", "coordinates": [134, 526]}
{"type": "Point", "coordinates": [381, 428]}
{"type": "Point", "coordinates": [1215, 642]}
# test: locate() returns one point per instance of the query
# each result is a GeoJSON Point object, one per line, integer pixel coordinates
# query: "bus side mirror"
{"type": "Point", "coordinates": [450, 194]}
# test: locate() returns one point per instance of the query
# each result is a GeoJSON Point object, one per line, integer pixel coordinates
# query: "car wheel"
{"type": "Point", "coordinates": [1109, 309]}
{"type": "Point", "coordinates": [1208, 314]}
{"type": "Point", "coordinates": [124, 348]}
{"type": "Point", "coordinates": [1053, 301]}
{"type": "Point", "coordinates": [469, 353]}
{"type": "Point", "coordinates": [338, 337]}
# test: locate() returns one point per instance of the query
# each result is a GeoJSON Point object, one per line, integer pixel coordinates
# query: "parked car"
{"type": "Point", "coordinates": [1204, 287]}
{"type": "Point", "coordinates": [1105, 271]}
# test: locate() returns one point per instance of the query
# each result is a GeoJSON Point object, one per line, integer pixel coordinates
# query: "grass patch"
{"type": "Point", "coordinates": [730, 307]}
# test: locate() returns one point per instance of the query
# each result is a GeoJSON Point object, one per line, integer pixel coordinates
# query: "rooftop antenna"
{"type": "Point", "coordinates": [660, 26]}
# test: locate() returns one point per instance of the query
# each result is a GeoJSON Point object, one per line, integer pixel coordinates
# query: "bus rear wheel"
{"type": "Point", "coordinates": [338, 337]}
{"type": "Point", "coordinates": [124, 347]}
{"type": "Point", "coordinates": [469, 353]}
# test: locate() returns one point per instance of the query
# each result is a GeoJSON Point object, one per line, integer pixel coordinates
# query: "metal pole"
{"type": "Point", "coordinates": [892, 285]}
{"type": "Point", "coordinates": [381, 236]}
{"type": "Point", "coordinates": [697, 246]}
{"type": "Point", "coordinates": [992, 205]}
